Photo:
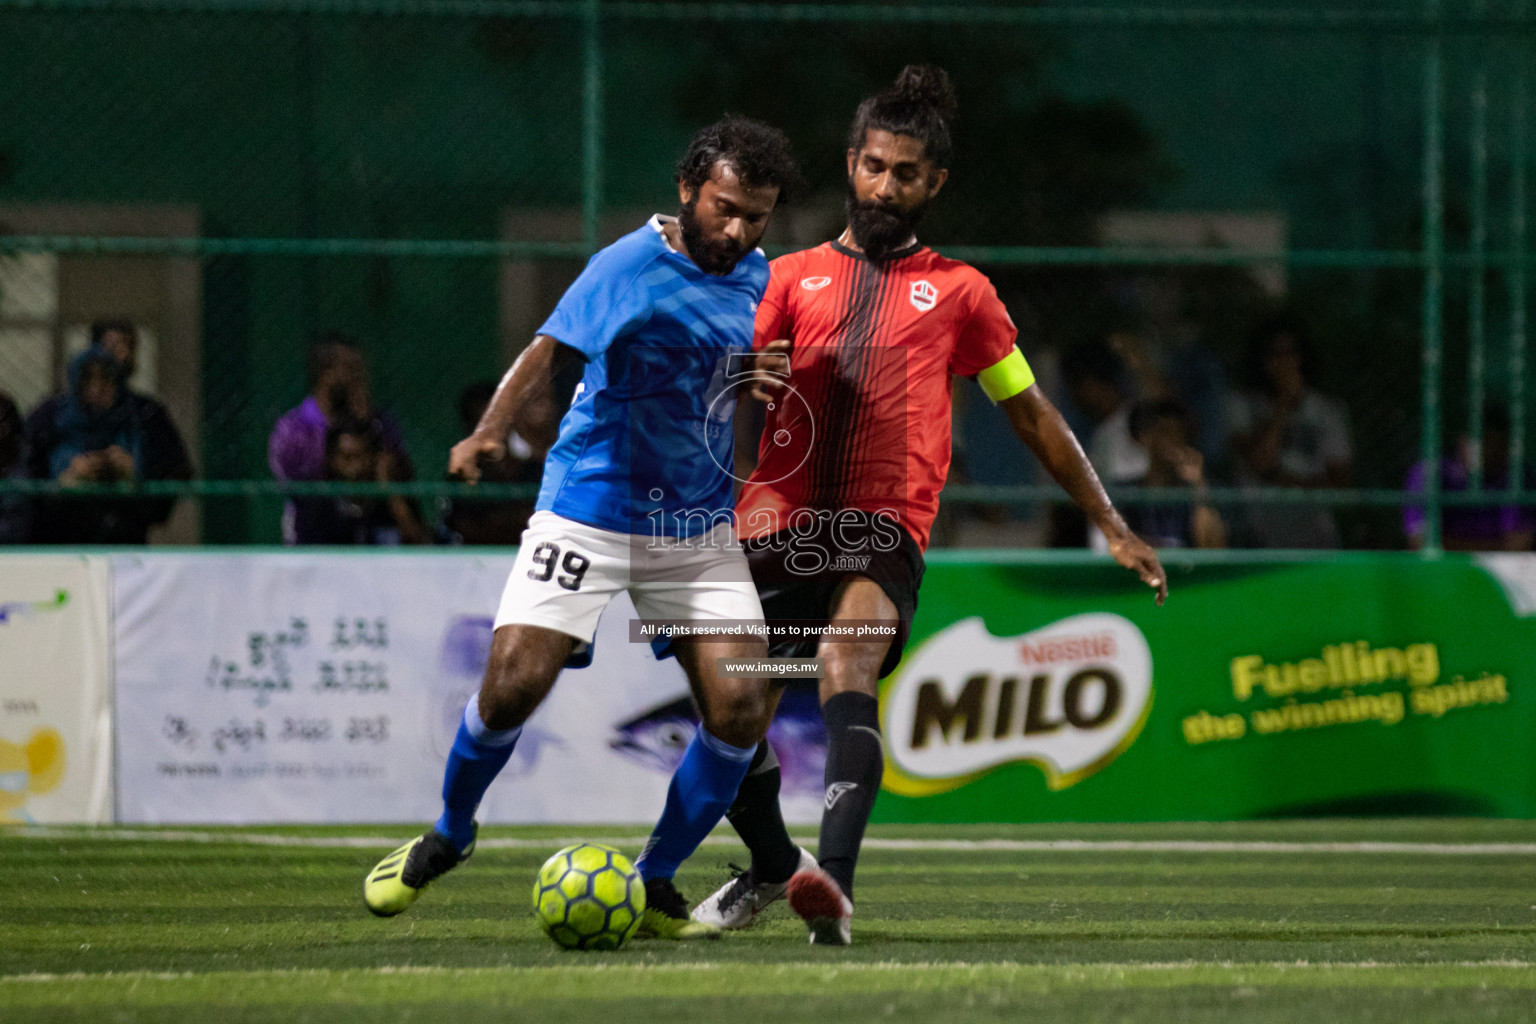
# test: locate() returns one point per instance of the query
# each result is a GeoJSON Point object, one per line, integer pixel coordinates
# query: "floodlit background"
{"type": "Point", "coordinates": [237, 177]}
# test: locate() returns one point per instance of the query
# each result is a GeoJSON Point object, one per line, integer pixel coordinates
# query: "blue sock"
{"type": "Point", "coordinates": [702, 788]}
{"type": "Point", "coordinates": [478, 755]}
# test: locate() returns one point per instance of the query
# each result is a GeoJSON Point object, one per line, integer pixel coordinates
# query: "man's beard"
{"type": "Point", "coordinates": [880, 228]}
{"type": "Point", "coordinates": [717, 257]}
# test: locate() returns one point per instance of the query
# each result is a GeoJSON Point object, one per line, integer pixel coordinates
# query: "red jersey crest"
{"type": "Point", "coordinates": [866, 421]}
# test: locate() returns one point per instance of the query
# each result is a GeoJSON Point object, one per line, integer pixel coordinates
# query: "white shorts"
{"type": "Point", "coordinates": [567, 572]}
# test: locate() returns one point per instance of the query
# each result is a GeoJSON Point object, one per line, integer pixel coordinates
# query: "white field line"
{"type": "Point", "coordinates": [944, 845]}
{"type": "Point", "coordinates": [1196, 846]}
{"type": "Point", "coordinates": [1100, 967]}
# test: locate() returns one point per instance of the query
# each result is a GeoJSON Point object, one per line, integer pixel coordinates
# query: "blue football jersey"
{"type": "Point", "coordinates": [646, 446]}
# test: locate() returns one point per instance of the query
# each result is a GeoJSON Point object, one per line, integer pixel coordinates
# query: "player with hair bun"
{"type": "Point", "coordinates": [854, 454]}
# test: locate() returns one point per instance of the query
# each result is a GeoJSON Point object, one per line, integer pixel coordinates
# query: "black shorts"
{"type": "Point", "coordinates": [797, 572]}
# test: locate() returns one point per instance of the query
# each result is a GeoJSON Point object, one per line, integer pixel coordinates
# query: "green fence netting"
{"type": "Point", "coordinates": [238, 176]}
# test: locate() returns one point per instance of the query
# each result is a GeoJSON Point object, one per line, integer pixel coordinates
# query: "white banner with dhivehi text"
{"type": "Point", "coordinates": [327, 688]}
{"type": "Point", "coordinates": [55, 686]}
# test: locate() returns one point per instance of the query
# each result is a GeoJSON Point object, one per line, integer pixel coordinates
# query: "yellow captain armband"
{"type": "Point", "coordinates": [1006, 377]}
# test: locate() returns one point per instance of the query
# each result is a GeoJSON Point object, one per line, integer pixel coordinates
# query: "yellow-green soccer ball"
{"type": "Point", "coordinates": [589, 897]}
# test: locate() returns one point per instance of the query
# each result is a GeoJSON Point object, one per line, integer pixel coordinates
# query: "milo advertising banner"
{"type": "Point", "coordinates": [1359, 684]}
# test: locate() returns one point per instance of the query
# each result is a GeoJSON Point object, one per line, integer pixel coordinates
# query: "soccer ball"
{"type": "Point", "coordinates": [589, 897]}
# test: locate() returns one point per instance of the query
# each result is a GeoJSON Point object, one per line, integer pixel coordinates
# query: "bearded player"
{"type": "Point", "coordinates": [633, 500]}
{"type": "Point", "coordinates": [837, 513]}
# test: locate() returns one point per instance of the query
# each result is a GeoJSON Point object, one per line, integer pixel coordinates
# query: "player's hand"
{"type": "Point", "coordinates": [1136, 555]}
{"type": "Point", "coordinates": [770, 369]}
{"type": "Point", "coordinates": [464, 458]}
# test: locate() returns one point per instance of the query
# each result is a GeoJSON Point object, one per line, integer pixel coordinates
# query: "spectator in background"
{"type": "Point", "coordinates": [15, 509]}
{"type": "Point", "coordinates": [165, 453]}
{"type": "Point", "coordinates": [155, 452]}
{"type": "Point", "coordinates": [338, 390]}
{"type": "Point", "coordinates": [1164, 429]}
{"type": "Point", "coordinates": [1475, 527]}
{"type": "Point", "coordinates": [354, 453]}
{"type": "Point", "coordinates": [1178, 312]}
{"type": "Point", "coordinates": [1093, 373]}
{"type": "Point", "coordinates": [95, 433]}
{"type": "Point", "coordinates": [1286, 433]}
{"type": "Point", "coordinates": [492, 520]}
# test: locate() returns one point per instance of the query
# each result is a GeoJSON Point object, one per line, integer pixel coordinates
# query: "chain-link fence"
{"type": "Point", "coordinates": [1147, 186]}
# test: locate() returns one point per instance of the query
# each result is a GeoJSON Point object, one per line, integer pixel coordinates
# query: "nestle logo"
{"type": "Point", "coordinates": [1067, 648]}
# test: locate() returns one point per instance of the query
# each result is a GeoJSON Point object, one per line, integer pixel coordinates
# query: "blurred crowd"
{"type": "Point", "coordinates": [1176, 422]}
{"type": "Point", "coordinates": [98, 430]}
{"type": "Point", "coordinates": [338, 434]}
{"type": "Point", "coordinates": [1175, 415]}
{"type": "Point", "coordinates": [1150, 413]}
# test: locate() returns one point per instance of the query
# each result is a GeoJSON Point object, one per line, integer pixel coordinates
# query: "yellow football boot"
{"type": "Point", "coordinates": [666, 915]}
{"type": "Point", "coordinates": [398, 879]}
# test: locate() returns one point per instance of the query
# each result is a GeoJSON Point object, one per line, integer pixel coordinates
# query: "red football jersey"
{"type": "Point", "coordinates": [865, 423]}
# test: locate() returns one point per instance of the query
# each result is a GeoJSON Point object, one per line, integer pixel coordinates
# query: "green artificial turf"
{"type": "Point", "coordinates": [105, 925]}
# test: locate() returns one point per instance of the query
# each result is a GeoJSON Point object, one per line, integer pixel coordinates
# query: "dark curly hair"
{"type": "Point", "coordinates": [1145, 412]}
{"type": "Point", "coordinates": [760, 155]}
{"type": "Point", "coordinates": [1262, 339]}
{"type": "Point", "coordinates": [349, 426]}
{"type": "Point", "coordinates": [325, 350]}
{"type": "Point", "coordinates": [921, 104]}
{"type": "Point", "coordinates": [101, 328]}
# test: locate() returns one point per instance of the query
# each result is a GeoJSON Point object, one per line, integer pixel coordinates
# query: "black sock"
{"type": "Point", "coordinates": [756, 817]}
{"type": "Point", "coordinates": [855, 763]}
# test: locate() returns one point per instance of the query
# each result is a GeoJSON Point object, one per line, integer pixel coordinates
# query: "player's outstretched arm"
{"type": "Point", "coordinates": [1040, 426]}
{"type": "Point", "coordinates": [525, 399]}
